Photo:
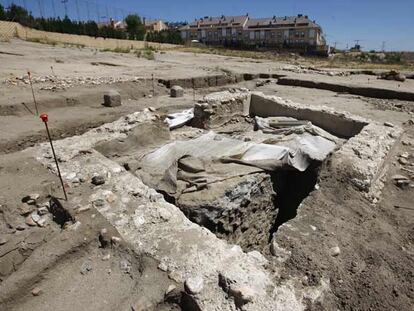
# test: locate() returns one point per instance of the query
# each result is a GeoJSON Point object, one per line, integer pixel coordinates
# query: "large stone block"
{"type": "Point", "coordinates": [112, 99]}
{"type": "Point", "coordinates": [177, 91]}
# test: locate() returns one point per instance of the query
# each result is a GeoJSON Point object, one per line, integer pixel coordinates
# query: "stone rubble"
{"type": "Point", "coordinates": [55, 83]}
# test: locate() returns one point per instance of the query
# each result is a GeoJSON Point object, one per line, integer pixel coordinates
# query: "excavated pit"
{"type": "Point", "coordinates": [292, 188]}
{"type": "Point", "coordinates": [240, 201]}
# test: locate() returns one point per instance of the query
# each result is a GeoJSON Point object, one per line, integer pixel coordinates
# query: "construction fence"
{"type": "Point", "coordinates": [10, 30]}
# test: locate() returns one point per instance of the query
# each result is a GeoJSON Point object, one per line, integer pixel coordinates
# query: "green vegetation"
{"type": "Point", "coordinates": [2, 13]}
{"type": "Point", "coordinates": [147, 53]}
{"type": "Point", "coordinates": [172, 36]}
{"type": "Point", "coordinates": [135, 29]}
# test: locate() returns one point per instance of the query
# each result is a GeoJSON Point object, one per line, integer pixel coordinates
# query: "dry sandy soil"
{"type": "Point", "coordinates": [73, 269]}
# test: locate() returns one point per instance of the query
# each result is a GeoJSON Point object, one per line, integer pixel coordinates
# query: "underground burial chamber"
{"type": "Point", "coordinates": [238, 164]}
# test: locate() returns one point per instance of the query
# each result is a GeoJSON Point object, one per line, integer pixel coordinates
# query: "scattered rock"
{"type": "Point", "coordinates": [106, 257]}
{"type": "Point", "coordinates": [403, 183]}
{"type": "Point", "coordinates": [399, 177]}
{"type": "Point", "coordinates": [110, 197]}
{"type": "Point", "coordinates": [86, 267]}
{"type": "Point", "coordinates": [20, 227]}
{"type": "Point", "coordinates": [112, 99]}
{"type": "Point", "coordinates": [29, 221]}
{"type": "Point", "coordinates": [115, 240]}
{"type": "Point", "coordinates": [393, 75]}
{"type": "Point", "coordinates": [104, 238]}
{"type": "Point", "coordinates": [389, 124]}
{"type": "Point", "coordinates": [241, 294]}
{"type": "Point", "coordinates": [3, 240]}
{"type": "Point", "coordinates": [36, 291]}
{"type": "Point", "coordinates": [335, 251]}
{"type": "Point", "coordinates": [194, 285]}
{"type": "Point", "coordinates": [405, 155]}
{"type": "Point", "coordinates": [177, 91]}
{"type": "Point", "coordinates": [170, 289]}
{"type": "Point", "coordinates": [98, 203]}
{"type": "Point", "coordinates": [83, 209]}
{"type": "Point", "coordinates": [42, 211]}
{"type": "Point", "coordinates": [403, 161]}
{"type": "Point", "coordinates": [26, 209]}
{"type": "Point", "coordinates": [43, 221]}
{"type": "Point", "coordinates": [35, 217]}
{"type": "Point", "coordinates": [125, 266]}
{"type": "Point", "coordinates": [98, 180]}
{"type": "Point", "coordinates": [31, 198]}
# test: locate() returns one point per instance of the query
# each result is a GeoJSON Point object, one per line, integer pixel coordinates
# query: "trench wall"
{"type": "Point", "coordinates": [362, 159]}
{"type": "Point", "coordinates": [338, 124]}
{"type": "Point", "coordinates": [351, 89]}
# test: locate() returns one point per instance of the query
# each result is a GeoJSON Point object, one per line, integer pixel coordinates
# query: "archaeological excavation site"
{"type": "Point", "coordinates": [202, 182]}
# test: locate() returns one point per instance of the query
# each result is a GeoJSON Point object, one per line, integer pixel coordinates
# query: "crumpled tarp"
{"type": "Point", "coordinates": [161, 166]}
{"type": "Point", "coordinates": [176, 120]}
{"type": "Point", "coordinates": [286, 126]}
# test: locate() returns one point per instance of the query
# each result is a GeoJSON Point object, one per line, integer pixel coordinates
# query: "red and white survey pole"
{"type": "Point", "coordinates": [45, 119]}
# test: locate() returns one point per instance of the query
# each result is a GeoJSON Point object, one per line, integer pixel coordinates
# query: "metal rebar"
{"type": "Point", "coordinates": [56, 161]}
{"type": "Point", "coordinates": [33, 94]}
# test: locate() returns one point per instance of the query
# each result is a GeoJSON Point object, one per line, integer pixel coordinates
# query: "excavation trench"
{"type": "Point", "coordinates": [244, 184]}
{"type": "Point", "coordinates": [261, 204]}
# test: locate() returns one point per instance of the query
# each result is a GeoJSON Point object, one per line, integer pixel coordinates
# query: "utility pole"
{"type": "Point", "coordinates": [66, 7]}
{"type": "Point", "coordinates": [97, 12]}
{"type": "Point", "coordinates": [383, 46]}
{"type": "Point", "coordinates": [40, 7]}
{"type": "Point", "coordinates": [77, 10]}
{"type": "Point", "coordinates": [87, 11]}
{"type": "Point", "coordinates": [53, 8]}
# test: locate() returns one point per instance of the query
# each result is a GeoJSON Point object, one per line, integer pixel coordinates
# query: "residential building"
{"type": "Point", "coordinates": [286, 31]}
{"type": "Point", "coordinates": [154, 25]}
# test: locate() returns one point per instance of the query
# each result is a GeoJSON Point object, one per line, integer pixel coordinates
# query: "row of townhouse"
{"type": "Point", "coordinates": [268, 32]}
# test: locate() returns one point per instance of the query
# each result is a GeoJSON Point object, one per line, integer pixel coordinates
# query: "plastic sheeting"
{"type": "Point", "coordinates": [176, 120]}
{"type": "Point", "coordinates": [296, 153]}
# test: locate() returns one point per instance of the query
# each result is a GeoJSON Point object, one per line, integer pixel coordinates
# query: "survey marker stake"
{"type": "Point", "coordinates": [31, 86]}
{"type": "Point", "coordinates": [45, 118]}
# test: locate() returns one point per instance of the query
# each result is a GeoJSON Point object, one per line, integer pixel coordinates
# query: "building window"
{"type": "Point", "coordinates": [311, 33]}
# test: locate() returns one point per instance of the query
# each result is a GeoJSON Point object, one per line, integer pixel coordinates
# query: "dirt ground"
{"type": "Point", "coordinates": [73, 268]}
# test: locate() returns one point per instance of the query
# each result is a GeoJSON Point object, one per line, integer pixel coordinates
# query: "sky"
{"type": "Point", "coordinates": [376, 23]}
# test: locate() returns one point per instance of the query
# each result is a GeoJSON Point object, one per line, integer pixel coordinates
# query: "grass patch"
{"type": "Point", "coordinates": [147, 53]}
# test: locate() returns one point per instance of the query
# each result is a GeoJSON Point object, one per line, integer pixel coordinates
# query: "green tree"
{"type": "Point", "coordinates": [134, 26]}
{"type": "Point", "coordinates": [2, 13]}
{"type": "Point", "coordinates": [18, 14]}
